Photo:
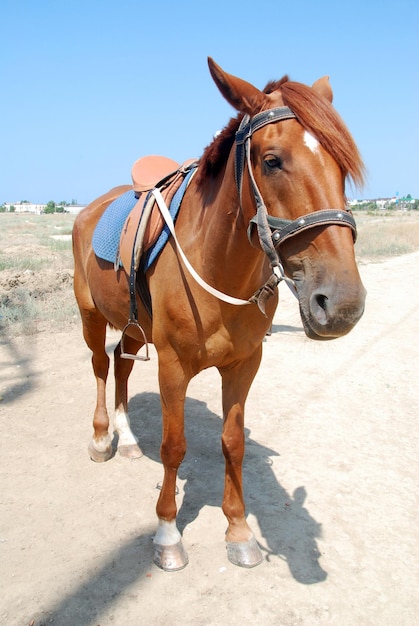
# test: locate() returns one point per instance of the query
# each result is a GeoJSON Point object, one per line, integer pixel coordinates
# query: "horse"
{"type": "Point", "coordinates": [266, 203]}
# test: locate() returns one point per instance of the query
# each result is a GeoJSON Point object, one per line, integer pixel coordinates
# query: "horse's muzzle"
{"type": "Point", "coordinates": [329, 313]}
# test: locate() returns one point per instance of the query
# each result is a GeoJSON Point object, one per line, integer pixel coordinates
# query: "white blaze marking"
{"type": "Point", "coordinates": [311, 142]}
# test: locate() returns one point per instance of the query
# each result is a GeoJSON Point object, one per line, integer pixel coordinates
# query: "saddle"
{"type": "Point", "coordinates": [144, 223]}
{"type": "Point", "coordinates": [142, 229]}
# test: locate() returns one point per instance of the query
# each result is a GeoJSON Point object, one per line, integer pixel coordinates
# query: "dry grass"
{"type": "Point", "coordinates": [36, 272]}
{"type": "Point", "coordinates": [36, 267]}
{"type": "Point", "coordinates": [386, 234]}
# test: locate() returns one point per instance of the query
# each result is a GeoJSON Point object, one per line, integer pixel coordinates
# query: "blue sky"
{"type": "Point", "coordinates": [87, 87]}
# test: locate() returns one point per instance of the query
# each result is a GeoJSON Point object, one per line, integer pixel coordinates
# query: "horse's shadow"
{"type": "Point", "coordinates": [288, 530]}
{"type": "Point", "coordinates": [24, 377]}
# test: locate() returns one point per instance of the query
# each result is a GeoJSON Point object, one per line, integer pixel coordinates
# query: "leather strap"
{"type": "Point", "coordinates": [284, 229]}
{"type": "Point", "coordinates": [260, 297]}
{"type": "Point", "coordinates": [246, 129]}
{"type": "Point", "coordinates": [272, 230]}
{"type": "Point", "coordinates": [169, 222]}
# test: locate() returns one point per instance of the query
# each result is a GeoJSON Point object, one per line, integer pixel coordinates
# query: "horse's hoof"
{"type": "Point", "coordinates": [131, 451]}
{"type": "Point", "coordinates": [244, 553]}
{"type": "Point", "coordinates": [100, 456]}
{"type": "Point", "coordinates": [170, 558]}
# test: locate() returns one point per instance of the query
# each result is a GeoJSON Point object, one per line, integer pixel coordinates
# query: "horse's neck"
{"type": "Point", "coordinates": [221, 229]}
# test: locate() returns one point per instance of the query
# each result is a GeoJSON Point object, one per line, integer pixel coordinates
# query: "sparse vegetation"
{"type": "Point", "coordinates": [36, 272]}
{"type": "Point", "coordinates": [36, 263]}
{"type": "Point", "coordinates": [388, 233]}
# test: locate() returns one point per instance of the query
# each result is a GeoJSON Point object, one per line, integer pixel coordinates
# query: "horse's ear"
{"type": "Point", "coordinates": [243, 96]}
{"type": "Point", "coordinates": [323, 88]}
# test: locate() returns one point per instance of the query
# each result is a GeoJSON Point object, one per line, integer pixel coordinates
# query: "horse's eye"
{"type": "Point", "coordinates": [273, 162]}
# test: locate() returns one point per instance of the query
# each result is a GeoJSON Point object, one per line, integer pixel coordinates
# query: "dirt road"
{"type": "Point", "coordinates": [331, 478]}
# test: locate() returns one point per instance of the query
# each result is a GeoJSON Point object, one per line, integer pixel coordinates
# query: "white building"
{"type": "Point", "coordinates": [25, 207]}
{"type": "Point", "coordinates": [37, 209]}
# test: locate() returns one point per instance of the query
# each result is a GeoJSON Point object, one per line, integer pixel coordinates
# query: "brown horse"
{"type": "Point", "coordinates": [268, 197]}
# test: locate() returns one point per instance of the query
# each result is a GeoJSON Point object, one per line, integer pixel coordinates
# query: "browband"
{"type": "Point", "coordinates": [248, 126]}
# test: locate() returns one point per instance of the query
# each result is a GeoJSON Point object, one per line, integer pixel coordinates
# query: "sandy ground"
{"type": "Point", "coordinates": [331, 477]}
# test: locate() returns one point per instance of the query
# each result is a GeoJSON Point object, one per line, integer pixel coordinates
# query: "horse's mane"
{"type": "Point", "coordinates": [314, 113]}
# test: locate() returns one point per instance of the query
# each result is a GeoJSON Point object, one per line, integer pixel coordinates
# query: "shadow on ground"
{"type": "Point", "coordinates": [289, 531]}
{"type": "Point", "coordinates": [23, 378]}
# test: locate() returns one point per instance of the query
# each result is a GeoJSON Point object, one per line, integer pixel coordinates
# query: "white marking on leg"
{"type": "Point", "coordinates": [102, 444]}
{"type": "Point", "coordinates": [167, 534]}
{"type": "Point", "coordinates": [122, 427]}
{"type": "Point", "coordinates": [311, 142]}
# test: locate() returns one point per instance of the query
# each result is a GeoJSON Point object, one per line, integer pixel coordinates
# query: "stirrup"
{"type": "Point", "coordinates": [128, 355]}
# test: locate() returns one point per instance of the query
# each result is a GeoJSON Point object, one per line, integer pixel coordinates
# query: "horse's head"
{"type": "Point", "coordinates": [293, 154]}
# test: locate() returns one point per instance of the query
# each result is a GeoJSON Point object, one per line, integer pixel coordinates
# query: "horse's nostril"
{"type": "Point", "coordinates": [321, 301]}
{"type": "Point", "coordinates": [319, 308]}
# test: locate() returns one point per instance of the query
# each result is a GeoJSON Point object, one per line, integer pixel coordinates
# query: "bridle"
{"type": "Point", "coordinates": [273, 231]}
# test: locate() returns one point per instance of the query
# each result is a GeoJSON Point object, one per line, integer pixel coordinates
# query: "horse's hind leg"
{"type": "Point", "coordinates": [127, 441]}
{"type": "Point", "coordinates": [94, 332]}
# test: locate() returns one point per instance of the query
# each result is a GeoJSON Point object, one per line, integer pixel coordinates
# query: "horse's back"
{"type": "Point", "coordinates": [83, 229]}
{"type": "Point", "coordinates": [87, 219]}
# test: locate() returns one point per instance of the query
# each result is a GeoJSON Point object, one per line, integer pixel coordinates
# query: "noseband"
{"type": "Point", "coordinates": [273, 231]}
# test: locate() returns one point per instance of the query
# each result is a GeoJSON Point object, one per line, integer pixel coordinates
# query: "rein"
{"type": "Point", "coordinates": [272, 231]}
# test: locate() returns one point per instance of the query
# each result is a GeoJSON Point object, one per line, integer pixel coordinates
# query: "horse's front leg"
{"type": "Point", "coordinates": [127, 441]}
{"type": "Point", "coordinates": [169, 553]}
{"type": "Point", "coordinates": [242, 548]}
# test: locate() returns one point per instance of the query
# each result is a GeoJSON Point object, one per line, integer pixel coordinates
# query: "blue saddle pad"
{"type": "Point", "coordinates": [108, 230]}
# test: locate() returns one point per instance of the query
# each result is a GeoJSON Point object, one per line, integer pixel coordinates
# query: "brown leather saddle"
{"type": "Point", "coordinates": [144, 223]}
{"type": "Point", "coordinates": [142, 228]}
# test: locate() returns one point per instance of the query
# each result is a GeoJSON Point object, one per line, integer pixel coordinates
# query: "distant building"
{"type": "Point", "coordinates": [24, 207]}
{"type": "Point", "coordinates": [74, 208]}
{"type": "Point", "coordinates": [37, 209]}
{"type": "Point", "coordinates": [385, 203]}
